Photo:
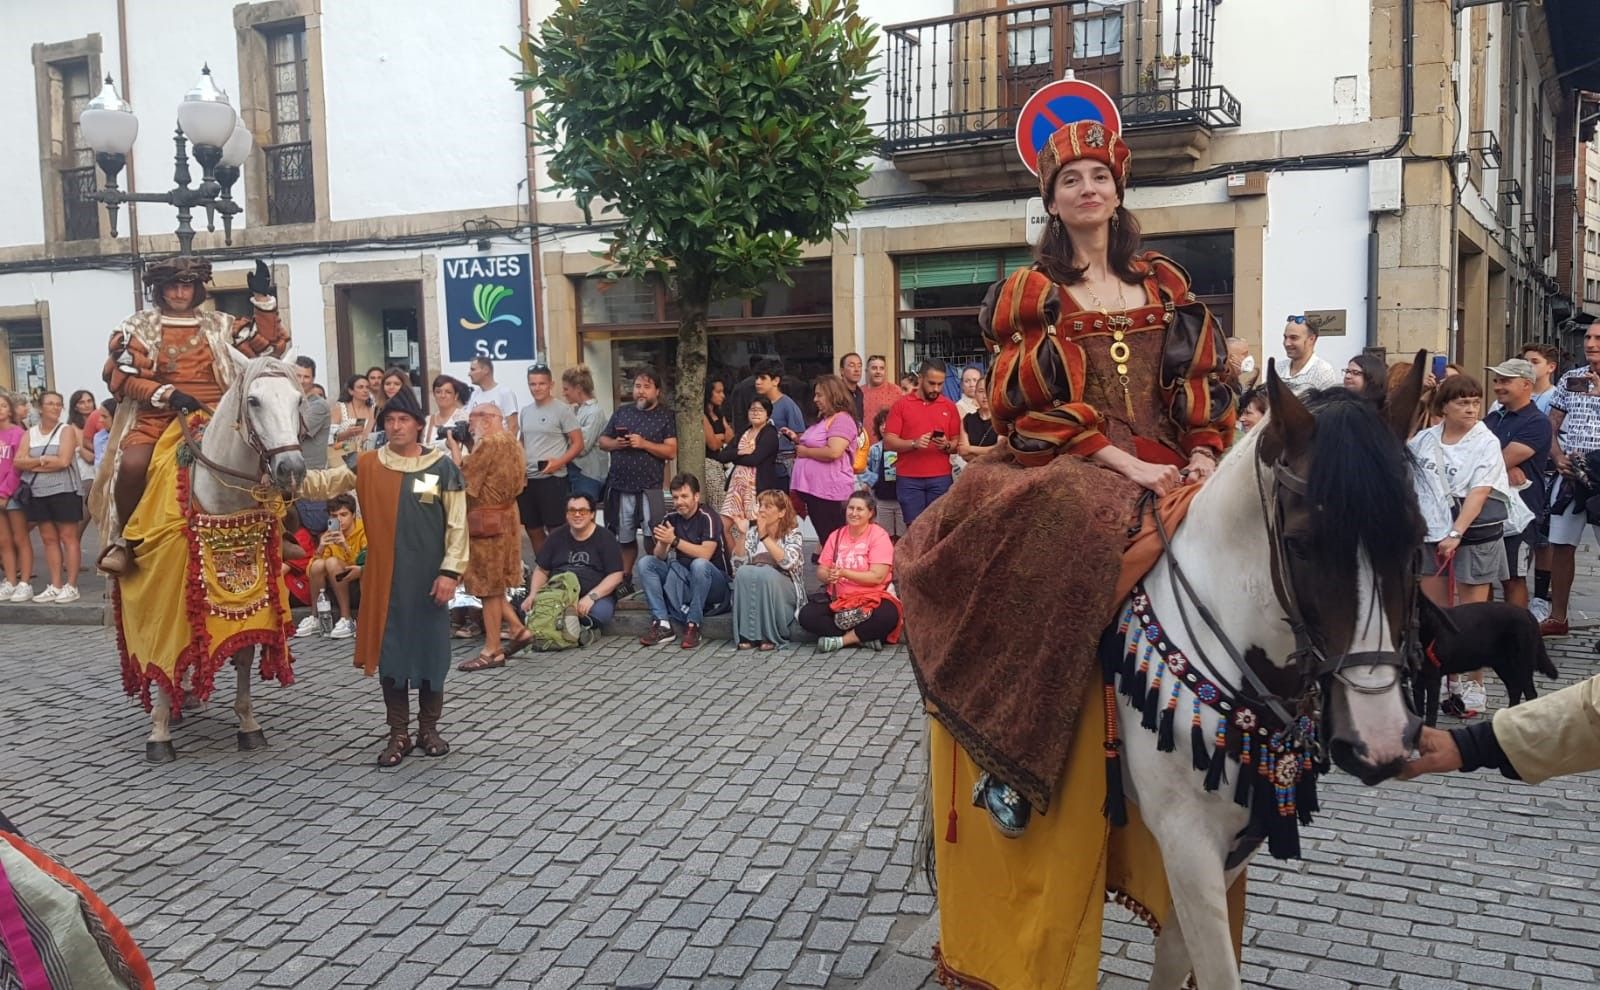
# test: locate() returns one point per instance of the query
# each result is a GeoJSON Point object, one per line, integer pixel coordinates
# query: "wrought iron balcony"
{"type": "Point", "coordinates": [79, 218]}
{"type": "Point", "coordinates": [291, 194]}
{"type": "Point", "coordinates": [962, 79]}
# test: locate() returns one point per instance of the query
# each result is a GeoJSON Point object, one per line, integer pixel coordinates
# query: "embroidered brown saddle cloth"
{"type": "Point", "coordinates": [1008, 581]}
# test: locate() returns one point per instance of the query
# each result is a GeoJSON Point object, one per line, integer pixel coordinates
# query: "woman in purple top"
{"type": "Point", "coordinates": [16, 550]}
{"type": "Point", "coordinates": [824, 475]}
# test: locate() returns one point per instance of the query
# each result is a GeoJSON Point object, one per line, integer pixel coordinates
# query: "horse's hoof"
{"type": "Point", "coordinates": [1008, 810]}
{"type": "Point", "coordinates": [192, 704]}
{"type": "Point", "coordinates": [252, 740]}
{"type": "Point", "coordinates": [160, 752]}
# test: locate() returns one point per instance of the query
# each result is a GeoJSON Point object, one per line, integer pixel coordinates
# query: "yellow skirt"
{"type": "Point", "coordinates": [202, 588]}
{"type": "Point", "coordinates": [1025, 913]}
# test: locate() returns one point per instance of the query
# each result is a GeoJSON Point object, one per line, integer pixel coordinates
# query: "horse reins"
{"type": "Point", "coordinates": [1308, 656]}
{"type": "Point", "coordinates": [252, 439]}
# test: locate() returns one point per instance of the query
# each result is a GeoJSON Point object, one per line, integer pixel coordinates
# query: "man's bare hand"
{"type": "Point", "coordinates": [1437, 753]}
{"type": "Point", "coordinates": [444, 589]}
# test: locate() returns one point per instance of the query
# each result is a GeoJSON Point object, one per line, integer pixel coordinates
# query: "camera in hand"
{"type": "Point", "coordinates": [459, 431]}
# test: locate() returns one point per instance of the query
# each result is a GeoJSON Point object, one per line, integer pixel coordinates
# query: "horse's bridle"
{"type": "Point", "coordinates": [246, 429]}
{"type": "Point", "coordinates": [1308, 659]}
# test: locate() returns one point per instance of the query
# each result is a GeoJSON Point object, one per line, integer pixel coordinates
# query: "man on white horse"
{"type": "Point", "coordinates": [170, 359]}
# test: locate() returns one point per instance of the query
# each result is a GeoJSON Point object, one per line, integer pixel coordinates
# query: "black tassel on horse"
{"type": "Point", "coordinates": [1136, 685]}
{"type": "Point", "coordinates": [1283, 835]}
{"type": "Point", "coordinates": [1116, 806]}
{"type": "Point", "coordinates": [1219, 763]}
{"type": "Point", "coordinates": [1197, 743]}
{"type": "Point", "coordinates": [1166, 735]}
{"type": "Point", "coordinates": [1130, 669]}
{"type": "Point", "coordinates": [1152, 707]}
{"type": "Point", "coordinates": [1247, 770]}
{"type": "Point", "coordinates": [1305, 796]}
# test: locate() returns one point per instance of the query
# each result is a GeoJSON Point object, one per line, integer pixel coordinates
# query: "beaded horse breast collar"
{"type": "Point", "coordinates": [1278, 764]}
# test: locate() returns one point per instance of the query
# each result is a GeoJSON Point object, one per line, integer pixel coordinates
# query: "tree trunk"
{"type": "Point", "coordinates": [689, 397]}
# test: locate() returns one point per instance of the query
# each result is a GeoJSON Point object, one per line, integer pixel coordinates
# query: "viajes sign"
{"type": "Point", "coordinates": [488, 307]}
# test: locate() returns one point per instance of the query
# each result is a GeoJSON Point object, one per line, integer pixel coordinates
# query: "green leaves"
{"type": "Point", "coordinates": [726, 133]}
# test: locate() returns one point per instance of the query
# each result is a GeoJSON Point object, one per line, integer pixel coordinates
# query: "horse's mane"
{"type": "Point", "coordinates": [1361, 482]}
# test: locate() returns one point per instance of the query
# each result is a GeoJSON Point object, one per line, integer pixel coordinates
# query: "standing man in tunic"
{"type": "Point", "coordinates": [168, 360]}
{"type": "Point", "coordinates": [414, 504]}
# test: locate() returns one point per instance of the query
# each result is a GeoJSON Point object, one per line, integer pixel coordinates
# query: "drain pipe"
{"type": "Point", "coordinates": [1372, 282]}
{"type": "Point", "coordinates": [541, 332]}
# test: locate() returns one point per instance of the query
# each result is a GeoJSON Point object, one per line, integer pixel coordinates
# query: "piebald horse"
{"type": "Point", "coordinates": [1305, 538]}
{"type": "Point", "coordinates": [250, 451]}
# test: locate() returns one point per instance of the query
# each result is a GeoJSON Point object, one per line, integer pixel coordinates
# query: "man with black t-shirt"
{"type": "Point", "coordinates": [687, 572]}
{"type": "Point", "coordinates": [589, 552]}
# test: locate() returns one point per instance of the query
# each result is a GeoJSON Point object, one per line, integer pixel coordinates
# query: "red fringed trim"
{"type": "Point", "coordinates": [952, 980]}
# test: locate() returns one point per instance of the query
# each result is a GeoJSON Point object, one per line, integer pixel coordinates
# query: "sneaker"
{"type": "Point", "coordinates": [1540, 609]}
{"type": "Point", "coordinates": [47, 596]}
{"type": "Point", "coordinates": [1553, 627]}
{"type": "Point", "coordinates": [660, 632]}
{"type": "Point", "coordinates": [309, 626]}
{"type": "Point", "coordinates": [22, 592]}
{"type": "Point", "coordinates": [6, 588]}
{"type": "Point", "coordinates": [67, 595]}
{"type": "Point", "coordinates": [343, 629]}
{"type": "Point", "coordinates": [1473, 698]}
{"type": "Point", "coordinates": [830, 644]}
{"type": "Point", "coordinates": [691, 637]}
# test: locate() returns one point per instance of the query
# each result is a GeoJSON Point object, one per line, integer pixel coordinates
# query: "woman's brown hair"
{"type": "Point", "coordinates": [1054, 250]}
{"type": "Point", "coordinates": [1462, 386]}
{"type": "Point", "coordinates": [788, 522]}
{"type": "Point", "coordinates": [835, 393]}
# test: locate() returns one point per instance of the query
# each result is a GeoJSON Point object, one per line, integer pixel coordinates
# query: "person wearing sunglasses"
{"type": "Point", "coordinates": [1307, 372]}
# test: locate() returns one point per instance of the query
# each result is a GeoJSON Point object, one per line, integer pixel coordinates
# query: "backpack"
{"type": "Point", "coordinates": [551, 619]}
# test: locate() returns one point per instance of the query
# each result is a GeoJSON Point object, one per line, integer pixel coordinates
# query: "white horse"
{"type": "Point", "coordinates": [250, 451]}
{"type": "Point", "coordinates": [1309, 520]}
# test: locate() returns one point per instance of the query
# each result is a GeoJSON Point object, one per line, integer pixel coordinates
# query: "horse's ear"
{"type": "Point", "coordinates": [240, 362]}
{"type": "Point", "coordinates": [1289, 424]}
{"type": "Point", "coordinates": [1401, 410]}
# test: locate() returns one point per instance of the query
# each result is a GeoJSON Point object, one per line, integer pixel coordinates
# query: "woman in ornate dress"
{"type": "Point", "coordinates": [1105, 383]}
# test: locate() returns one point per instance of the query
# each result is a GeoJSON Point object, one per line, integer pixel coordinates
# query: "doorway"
{"type": "Point", "coordinates": [23, 368]}
{"type": "Point", "coordinates": [380, 325]}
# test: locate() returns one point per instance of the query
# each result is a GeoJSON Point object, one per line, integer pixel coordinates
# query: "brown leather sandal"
{"type": "Point", "coordinates": [483, 661]}
{"type": "Point", "coordinates": [430, 742]}
{"type": "Point", "coordinates": [399, 745]}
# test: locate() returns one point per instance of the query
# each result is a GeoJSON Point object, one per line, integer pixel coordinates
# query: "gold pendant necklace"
{"type": "Point", "coordinates": [1119, 350]}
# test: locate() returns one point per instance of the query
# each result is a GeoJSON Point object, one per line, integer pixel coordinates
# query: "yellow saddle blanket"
{"type": "Point", "coordinates": [202, 588]}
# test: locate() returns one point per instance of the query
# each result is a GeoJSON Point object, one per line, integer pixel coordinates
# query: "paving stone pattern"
{"type": "Point", "coordinates": [618, 816]}
{"type": "Point", "coordinates": [631, 817]}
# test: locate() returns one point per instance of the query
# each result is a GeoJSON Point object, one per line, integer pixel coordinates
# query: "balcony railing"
{"type": "Point", "coordinates": [78, 211]}
{"type": "Point", "coordinates": [291, 195]}
{"type": "Point", "coordinates": [963, 78]}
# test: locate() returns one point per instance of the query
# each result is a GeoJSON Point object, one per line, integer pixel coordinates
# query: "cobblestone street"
{"type": "Point", "coordinates": [631, 817]}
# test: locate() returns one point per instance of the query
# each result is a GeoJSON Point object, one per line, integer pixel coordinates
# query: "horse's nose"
{"type": "Point", "coordinates": [288, 470]}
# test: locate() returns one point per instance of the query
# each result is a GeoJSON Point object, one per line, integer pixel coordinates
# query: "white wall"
{"type": "Point", "coordinates": [422, 116]}
{"type": "Point", "coordinates": [22, 25]}
{"type": "Point", "coordinates": [1316, 256]}
{"type": "Point", "coordinates": [1282, 60]}
{"type": "Point", "coordinates": [85, 306]}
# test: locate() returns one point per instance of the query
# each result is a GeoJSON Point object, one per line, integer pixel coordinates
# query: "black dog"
{"type": "Point", "coordinates": [1504, 638]}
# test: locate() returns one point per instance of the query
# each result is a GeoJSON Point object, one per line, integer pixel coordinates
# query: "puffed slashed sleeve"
{"type": "Point", "coordinates": [1037, 382]}
{"type": "Point", "coordinates": [1553, 735]}
{"type": "Point", "coordinates": [328, 482]}
{"type": "Point", "coordinates": [1197, 400]}
{"type": "Point", "coordinates": [261, 333]}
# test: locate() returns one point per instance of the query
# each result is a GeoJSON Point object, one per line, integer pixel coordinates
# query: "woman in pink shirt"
{"type": "Point", "coordinates": [16, 550]}
{"type": "Point", "coordinates": [856, 567]}
{"type": "Point", "coordinates": [824, 473]}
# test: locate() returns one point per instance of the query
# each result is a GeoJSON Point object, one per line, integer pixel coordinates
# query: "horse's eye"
{"type": "Point", "coordinates": [1296, 546]}
{"type": "Point", "coordinates": [254, 401]}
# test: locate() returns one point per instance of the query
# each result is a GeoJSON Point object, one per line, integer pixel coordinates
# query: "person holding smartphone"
{"type": "Point", "coordinates": [641, 438]}
{"type": "Point", "coordinates": [1575, 418]}
{"type": "Point", "coordinates": [922, 429]}
{"type": "Point", "coordinates": [551, 438]}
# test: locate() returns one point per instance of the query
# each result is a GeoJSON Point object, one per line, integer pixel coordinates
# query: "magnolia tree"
{"type": "Point", "coordinates": [723, 135]}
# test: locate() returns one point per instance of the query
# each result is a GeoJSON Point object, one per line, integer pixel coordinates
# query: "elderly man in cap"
{"type": "Point", "coordinates": [414, 504]}
{"type": "Point", "coordinates": [166, 360]}
{"type": "Point", "coordinates": [1525, 435]}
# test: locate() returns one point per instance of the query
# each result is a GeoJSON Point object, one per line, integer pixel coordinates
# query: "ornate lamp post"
{"type": "Point", "coordinates": [221, 144]}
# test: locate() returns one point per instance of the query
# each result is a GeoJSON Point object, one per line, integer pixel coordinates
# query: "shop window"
{"type": "Point", "coordinates": [631, 324]}
{"type": "Point", "coordinates": [939, 299]}
{"type": "Point", "coordinates": [1208, 258]}
{"type": "Point", "coordinates": [25, 366]}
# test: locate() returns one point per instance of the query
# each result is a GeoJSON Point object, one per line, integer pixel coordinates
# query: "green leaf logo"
{"type": "Point", "coordinates": [486, 298]}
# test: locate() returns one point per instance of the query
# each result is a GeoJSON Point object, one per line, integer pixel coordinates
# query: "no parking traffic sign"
{"type": "Point", "coordinates": [1055, 106]}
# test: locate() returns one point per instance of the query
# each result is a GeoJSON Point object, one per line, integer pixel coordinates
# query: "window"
{"type": "Point", "coordinates": [634, 324]}
{"type": "Point", "coordinates": [25, 372]}
{"type": "Point", "coordinates": [291, 195]}
{"type": "Point", "coordinates": [1594, 189]}
{"type": "Point", "coordinates": [65, 76]}
{"type": "Point", "coordinates": [1591, 241]}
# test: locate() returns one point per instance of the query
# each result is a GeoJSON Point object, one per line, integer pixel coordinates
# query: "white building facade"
{"type": "Point", "coordinates": [1383, 164]}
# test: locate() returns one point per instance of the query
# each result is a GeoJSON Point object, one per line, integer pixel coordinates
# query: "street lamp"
{"type": "Point", "coordinates": [221, 144]}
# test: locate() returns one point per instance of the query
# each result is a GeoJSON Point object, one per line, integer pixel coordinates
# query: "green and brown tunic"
{"type": "Point", "coordinates": [415, 513]}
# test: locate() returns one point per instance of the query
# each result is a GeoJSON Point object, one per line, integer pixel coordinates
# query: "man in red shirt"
{"type": "Point", "coordinates": [922, 428]}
